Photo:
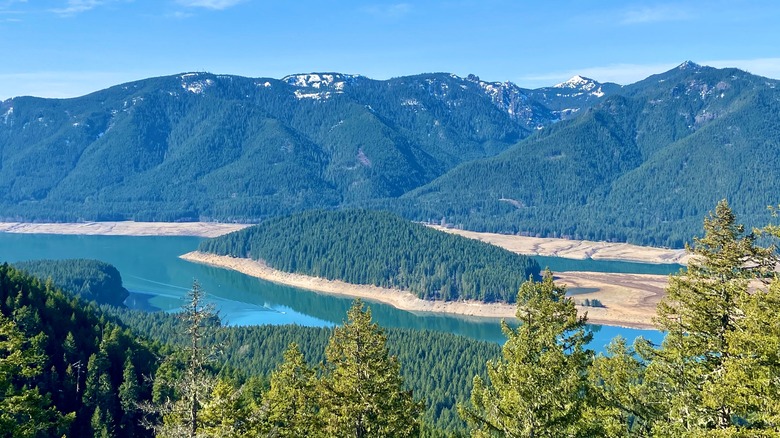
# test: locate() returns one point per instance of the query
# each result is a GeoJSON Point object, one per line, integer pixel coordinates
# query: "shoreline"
{"type": "Point", "coordinates": [630, 299]}
{"type": "Point", "coordinates": [621, 316]}
{"type": "Point", "coordinates": [575, 249]}
{"type": "Point", "coordinates": [124, 228]}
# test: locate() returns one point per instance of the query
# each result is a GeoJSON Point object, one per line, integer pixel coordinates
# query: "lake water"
{"type": "Point", "coordinates": [560, 264]}
{"type": "Point", "coordinates": [158, 279]}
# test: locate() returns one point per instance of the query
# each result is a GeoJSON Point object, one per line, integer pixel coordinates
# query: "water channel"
{"type": "Point", "coordinates": [158, 279]}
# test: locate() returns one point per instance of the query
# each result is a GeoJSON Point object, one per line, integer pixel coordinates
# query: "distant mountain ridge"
{"type": "Point", "coordinates": [641, 165]}
{"type": "Point", "coordinates": [489, 155]}
{"type": "Point", "coordinates": [205, 146]}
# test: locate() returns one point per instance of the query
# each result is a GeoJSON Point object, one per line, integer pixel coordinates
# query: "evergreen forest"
{"type": "Point", "coordinates": [381, 249]}
{"type": "Point", "coordinates": [70, 368]}
{"type": "Point", "coordinates": [90, 280]}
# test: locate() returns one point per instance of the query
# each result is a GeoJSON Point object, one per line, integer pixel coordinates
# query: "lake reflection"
{"type": "Point", "coordinates": [151, 269]}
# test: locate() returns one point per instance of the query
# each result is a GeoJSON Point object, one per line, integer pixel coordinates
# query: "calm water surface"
{"type": "Point", "coordinates": [158, 279]}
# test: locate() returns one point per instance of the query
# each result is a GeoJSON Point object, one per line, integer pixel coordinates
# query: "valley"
{"type": "Point", "coordinates": [237, 218]}
{"type": "Point", "coordinates": [630, 299]}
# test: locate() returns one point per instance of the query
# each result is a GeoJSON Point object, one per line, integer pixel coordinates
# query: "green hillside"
{"type": "Point", "coordinates": [638, 163]}
{"type": "Point", "coordinates": [90, 280]}
{"type": "Point", "coordinates": [64, 367]}
{"type": "Point", "coordinates": [376, 248]}
{"type": "Point", "coordinates": [641, 167]}
{"type": "Point", "coordinates": [69, 368]}
{"type": "Point", "coordinates": [202, 146]}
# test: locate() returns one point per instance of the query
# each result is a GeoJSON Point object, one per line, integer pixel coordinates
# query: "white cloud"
{"type": "Point", "coordinates": [389, 11]}
{"type": "Point", "coordinates": [78, 6]}
{"type": "Point", "coordinates": [11, 7]}
{"type": "Point", "coordinates": [73, 7]}
{"type": "Point", "coordinates": [180, 15]}
{"type": "Point", "coordinates": [4, 4]}
{"type": "Point", "coordinates": [654, 14]}
{"type": "Point", "coordinates": [209, 4]}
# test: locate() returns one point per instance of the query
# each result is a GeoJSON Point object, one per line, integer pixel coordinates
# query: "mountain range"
{"type": "Point", "coordinates": [639, 163]}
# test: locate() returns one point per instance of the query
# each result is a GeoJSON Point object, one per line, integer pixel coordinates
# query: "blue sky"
{"type": "Point", "coordinates": [63, 48]}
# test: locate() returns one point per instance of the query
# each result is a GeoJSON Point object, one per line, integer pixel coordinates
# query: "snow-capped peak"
{"type": "Point", "coordinates": [578, 82]}
{"type": "Point", "coordinates": [689, 65]}
{"type": "Point", "coordinates": [320, 80]}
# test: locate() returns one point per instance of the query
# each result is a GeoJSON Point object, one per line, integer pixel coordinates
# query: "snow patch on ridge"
{"type": "Point", "coordinates": [196, 86]}
{"type": "Point", "coordinates": [8, 114]}
{"type": "Point", "coordinates": [314, 96]}
{"type": "Point", "coordinates": [578, 82]}
{"type": "Point", "coordinates": [509, 98]}
{"type": "Point", "coordinates": [321, 80]}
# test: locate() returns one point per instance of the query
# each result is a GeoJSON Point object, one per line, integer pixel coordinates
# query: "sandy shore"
{"type": "Point", "coordinates": [576, 249]}
{"type": "Point", "coordinates": [629, 298]}
{"type": "Point", "coordinates": [128, 228]}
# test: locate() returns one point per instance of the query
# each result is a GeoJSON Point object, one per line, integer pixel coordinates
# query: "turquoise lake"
{"type": "Point", "coordinates": [158, 280]}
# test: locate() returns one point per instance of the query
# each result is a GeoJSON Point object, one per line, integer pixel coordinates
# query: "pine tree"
{"type": "Point", "coordinates": [362, 391]}
{"type": "Point", "coordinates": [180, 401]}
{"type": "Point", "coordinates": [24, 412]}
{"type": "Point", "coordinates": [702, 310]}
{"type": "Point", "coordinates": [290, 408]}
{"type": "Point", "coordinates": [750, 384]}
{"type": "Point", "coordinates": [619, 391]}
{"type": "Point", "coordinates": [539, 387]}
{"type": "Point", "coordinates": [197, 315]}
{"type": "Point", "coordinates": [129, 396]}
{"type": "Point", "coordinates": [98, 394]}
{"type": "Point", "coordinates": [225, 413]}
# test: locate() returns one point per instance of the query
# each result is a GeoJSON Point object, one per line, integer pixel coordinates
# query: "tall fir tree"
{"type": "Point", "coordinates": [703, 309]}
{"type": "Point", "coordinates": [183, 394]}
{"type": "Point", "coordinates": [290, 408]}
{"type": "Point", "coordinates": [619, 391]}
{"type": "Point", "coordinates": [362, 391]}
{"type": "Point", "coordinates": [129, 397]}
{"type": "Point", "coordinates": [539, 387]}
{"type": "Point", "coordinates": [226, 412]}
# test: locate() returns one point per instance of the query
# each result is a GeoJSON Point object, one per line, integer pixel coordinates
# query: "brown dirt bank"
{"type": "Point", "coordinates": [576, 249]}
{"type": "Point", "coordinates": [127, 228]}
{"type": "Point", "coordinates": [629, 298]}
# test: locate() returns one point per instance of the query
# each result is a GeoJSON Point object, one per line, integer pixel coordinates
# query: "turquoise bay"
{"type": "Point", "coordinates": [158, 279]}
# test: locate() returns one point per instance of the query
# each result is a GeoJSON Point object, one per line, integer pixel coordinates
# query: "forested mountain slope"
{"type": "Point", "coordinates": [637, 163]}
{"type": "Point", "coordinates": [199, 145]}
{"type": "Point", "coordinates": [65, 368]}
{"type": "Point", "coordinates": [641, 166]}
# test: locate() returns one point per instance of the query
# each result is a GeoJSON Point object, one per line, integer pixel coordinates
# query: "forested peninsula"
{"type": "Point", "coordinates": [381, 249]}
{"type": "Point", "coordinates": [90, 280]}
